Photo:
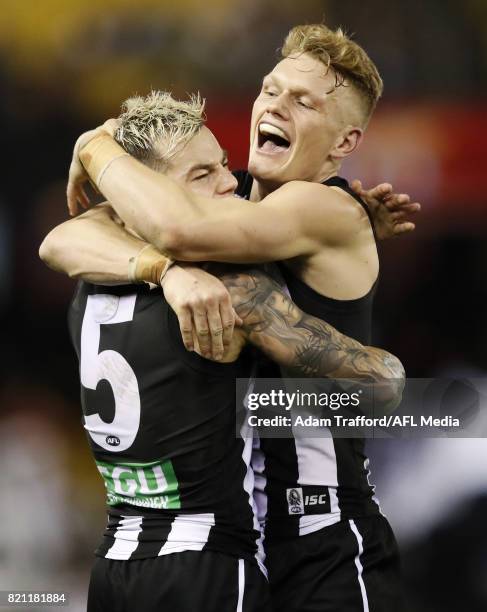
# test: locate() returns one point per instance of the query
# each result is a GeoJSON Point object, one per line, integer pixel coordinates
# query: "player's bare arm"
{"type": "Point", "coordinates": [192, 227]}
{"type": "Point", "coordinates": [96, 247]}
{"type": "Point", "coordinates": [308, 346]}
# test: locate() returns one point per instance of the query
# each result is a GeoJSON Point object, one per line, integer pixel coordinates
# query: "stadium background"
{"type": "Point", "coordinates": [64, 67]}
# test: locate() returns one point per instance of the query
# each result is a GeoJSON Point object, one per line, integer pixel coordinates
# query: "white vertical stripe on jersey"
{"type": "Point", "coordinates": [374, 496]}
{"type": "Point", "coordinates": [260, 479]}
{"type": "Point", "coordinates": [317, 463]}
{"type": "Point", "coordinates": [241, 584]}
{"type": "Point", "coordinates": [188, 532]}
{"type": "Point", "coordinates": [248, 434]}
{"type": "Point", "coordinates": [334, 505]}
{"type": "Point", "coordinates": [317, 466]}
{"type": "Point", "coordinates": [249, 487]}
{"type": "Point", "coordinates": [358, 565]}
{"type": "Point", "coordinates": [126, 538]}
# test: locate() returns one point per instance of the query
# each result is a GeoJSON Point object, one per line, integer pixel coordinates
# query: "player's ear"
{"type": "Point", "coordinates": [347, 142]}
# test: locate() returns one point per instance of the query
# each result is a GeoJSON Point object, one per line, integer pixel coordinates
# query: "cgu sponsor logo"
{"type": "Point", "coordinates": [152, 485]}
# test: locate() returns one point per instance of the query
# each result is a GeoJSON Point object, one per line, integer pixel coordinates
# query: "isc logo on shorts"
{"type": "Point", "coordinates": [302, 503]}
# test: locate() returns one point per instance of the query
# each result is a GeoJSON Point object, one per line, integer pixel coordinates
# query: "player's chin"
{"type": "Point", "coordinates": [265, 169]}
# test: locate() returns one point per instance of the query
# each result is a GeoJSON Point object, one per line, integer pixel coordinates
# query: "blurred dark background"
{"type": "Point", "coordinates": [65, 66]}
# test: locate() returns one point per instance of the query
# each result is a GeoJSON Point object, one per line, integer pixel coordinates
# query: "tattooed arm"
{"type": "Point", "coordinates": [306, 345]}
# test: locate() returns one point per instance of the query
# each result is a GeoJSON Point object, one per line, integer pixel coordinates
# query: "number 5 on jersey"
{"type": "Point", "coordinates": [111, 366]}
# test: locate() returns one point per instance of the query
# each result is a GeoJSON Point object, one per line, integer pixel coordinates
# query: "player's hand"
{"type": "Point", "coordinates": [391, 212]}
{"type": "Point", "coordinates": [203, 307]}
{"type": "Point", "coordinates": [76, 195]}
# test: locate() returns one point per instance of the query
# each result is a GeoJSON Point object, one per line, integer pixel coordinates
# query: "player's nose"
{"type": "Point", "coordinates": [278, 105]}
{"type": "Point", "coordinates": [227, 183]}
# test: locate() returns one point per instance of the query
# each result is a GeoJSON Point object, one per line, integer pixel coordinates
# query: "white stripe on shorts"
{"type": "Point", "coordinates": [358, 564]}
{"type": "Point", "coordinates": [241, 584]}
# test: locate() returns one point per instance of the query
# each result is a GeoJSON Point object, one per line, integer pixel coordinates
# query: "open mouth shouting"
{"type": "Point", "coordinates": [272, 140]}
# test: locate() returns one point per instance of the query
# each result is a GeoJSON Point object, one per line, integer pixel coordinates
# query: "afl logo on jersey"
{"type": "Point", "coordinates": [113, 440]}
{"type": "Point", "coordinates": [295, 502]}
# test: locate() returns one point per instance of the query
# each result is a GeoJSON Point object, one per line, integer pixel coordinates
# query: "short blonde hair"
{"type": "Point", "coordinates": [335, 50]}
{"type": "Point", "coordinates": [153, 127]}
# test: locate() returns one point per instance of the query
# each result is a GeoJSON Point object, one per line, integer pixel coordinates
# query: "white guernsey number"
{"type": "Point", "coordinates": [109, 365]}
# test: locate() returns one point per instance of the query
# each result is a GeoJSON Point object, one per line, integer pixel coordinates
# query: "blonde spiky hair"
{"type": "Point", "coordinates": [336, 50]}
{"type": "Point", "coordinates": [153, 127]}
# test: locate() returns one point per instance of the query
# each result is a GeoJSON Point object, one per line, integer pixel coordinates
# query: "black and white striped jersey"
{"type": "Point", "coordinates": [303, 485]}
{"type": "Point", "coordinates": [162, 427]}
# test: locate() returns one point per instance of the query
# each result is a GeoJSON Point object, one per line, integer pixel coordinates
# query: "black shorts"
{"type": "Point", "coordinates": [189, 581]}
{"type": "Point", "coordinates": [352, 566]}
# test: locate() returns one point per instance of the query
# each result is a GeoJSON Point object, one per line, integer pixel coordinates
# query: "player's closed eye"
{"type": "Point", "coordinates": [304, 104]}
{"type": "Point", "coordinates": [201, 176]}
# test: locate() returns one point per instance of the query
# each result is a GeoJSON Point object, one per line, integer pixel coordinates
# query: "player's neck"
{"type": "Point", "coordinates": [260, 191]}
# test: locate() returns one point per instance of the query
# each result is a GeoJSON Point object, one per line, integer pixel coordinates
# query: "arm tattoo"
{"type": "Point", "coordinates": [304, 344]}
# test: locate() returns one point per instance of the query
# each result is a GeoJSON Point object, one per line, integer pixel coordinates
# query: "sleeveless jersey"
{"type": "Point", "coordinates": [161, 423]}
{"type": "Point", "coordinates": [303, 485]}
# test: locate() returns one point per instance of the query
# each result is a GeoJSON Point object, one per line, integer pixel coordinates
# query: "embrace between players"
{"type": "Point", "coordinates": [199, 519]}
